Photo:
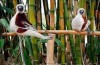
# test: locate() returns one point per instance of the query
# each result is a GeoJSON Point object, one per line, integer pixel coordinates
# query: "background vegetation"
{"type": "Point", "coordinates": [50, 15]}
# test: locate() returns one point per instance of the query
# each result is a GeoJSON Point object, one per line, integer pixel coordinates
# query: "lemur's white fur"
{"type": "Point", "coordinates": [78, 22]}
{"type": "Point", "coordinates": [30, 30]}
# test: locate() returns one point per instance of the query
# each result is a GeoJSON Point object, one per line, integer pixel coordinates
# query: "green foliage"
{"type": "Point", "coordinates": [26, 57]}
{"type": "Point", "coordinates": [28, 45]}
{"type": "Point", "coordinates": [97, 46]}
{"type": "Point", "coordinates": [78, 50]}
{"type": "Point", "coordinates": [40, 44]}
{"type": "Point", "coordinates": [1, 43]}
{"type": "Point", "coordinates": [42, 41]}
{"type": "Point", "coordinates": [15, 51]}
{"type": "Point", "coordinates": [59, 43]}
{"type": "Point", "coordinates": [8, 10]}
{"type": "Point", "coordinates": [4, 22]}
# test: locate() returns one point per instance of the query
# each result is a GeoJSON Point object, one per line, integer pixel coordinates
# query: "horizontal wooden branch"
{"type": "Point", "coordinates": [57, 32]}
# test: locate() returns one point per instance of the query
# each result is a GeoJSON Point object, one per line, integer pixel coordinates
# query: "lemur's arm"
{"type": "Point", "coordinates": [27, 23]}
{"type": "Point", "coordinates": [25, 18]}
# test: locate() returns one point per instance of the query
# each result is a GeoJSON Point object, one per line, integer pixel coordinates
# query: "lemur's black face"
{"type": "Point", "coordinates": [81, 12]}
{"type": "Point", "coordinates": [20, 8]}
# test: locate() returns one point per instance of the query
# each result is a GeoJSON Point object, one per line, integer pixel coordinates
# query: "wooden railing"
{"type": "Point", "coordinates": [50, 45]}
{"type": "Point", "coordinates": [58, 32]}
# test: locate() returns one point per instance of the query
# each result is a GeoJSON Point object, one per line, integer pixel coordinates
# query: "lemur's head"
{"type": "Point", "coordinates": [20, 8]}
{"type": "Point", "coordinates": [81, 11]}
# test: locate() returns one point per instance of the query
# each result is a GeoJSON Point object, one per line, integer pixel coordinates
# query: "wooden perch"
{"type": "Point", "coordinates": [9, 34]}
{"type": "Point", "coordinates": [57, 32]}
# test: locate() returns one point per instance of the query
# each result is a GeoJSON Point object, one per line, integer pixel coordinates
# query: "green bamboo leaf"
{"type": "Point", "coordinates": [97, 46]}
{"type": "Point", "coordinates": [40, 47]}
{"type": "Point", "coordinates": [78, 50]}
{"type": "Point", "coordinates": [59, 43]}
{"type": "Point", "coordinates": [88, 48]}
{"type": "Point", "coordinates": [26, 58]}
{"type": "Point", "coordinates": [1, 43]}
{"type": "Point", "coordinates": [42, 41]}
{"type": "Point", "coordinates": [40, 44]}
{"type": "Point", "coordinates": [98, 50]}
{"type": "Point", "coordinates": [4, 22]}
{"type": "Point", "coordinates": [28, 45]}
{"type": "Point", "coordinates": [8, 10]}
{"type": "Point", "coordinates": [15, 51]}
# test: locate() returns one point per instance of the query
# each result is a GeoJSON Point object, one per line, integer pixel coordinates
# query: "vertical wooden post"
{"type": "Point", "coordinates": [50, 50]}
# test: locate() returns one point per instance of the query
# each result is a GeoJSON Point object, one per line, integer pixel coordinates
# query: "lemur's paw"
{"type": "Point", "coordinates": [49, 37]}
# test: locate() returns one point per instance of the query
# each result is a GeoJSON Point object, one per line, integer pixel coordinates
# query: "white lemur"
{"type": "Point", "coordinates": [20, 24]}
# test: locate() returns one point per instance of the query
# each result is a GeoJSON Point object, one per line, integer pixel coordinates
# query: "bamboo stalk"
{"type": "Point", "coordinates": [62, 27]}
{"type": "Point", "coordinates": [91, 47]}
{"type": "Point", "coordinates": [31, 12]}
{"type": "Point", "coordinates": [57, 28]}
{"type": "Point", "coordinates": [15, 3]}
{"type": "Point", "coordinates": [78, 59]}
{"type": "Point", "coordinates": [75, 7]}
{"type": "Point", "coordinates": [46, 12]}
{"type": "Point", "coordinates": [38, 14]}
{"type": "Point", "coordinates": [52, 17]}
{"type": "Point", "coordinates": [92, 28]}
{"type": "Point", "coordinates": [57, 32]}
{"type": "Point", "coordinates": [32, 19]}
{"type": "Point", "coordinates": [57, 53]}
{"type": "Point", "coordinates": [82, 4]}
{"type": "Point", "coordinates": [68, 17]}
{"type": "Point", "coordinates": [50, 51]}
